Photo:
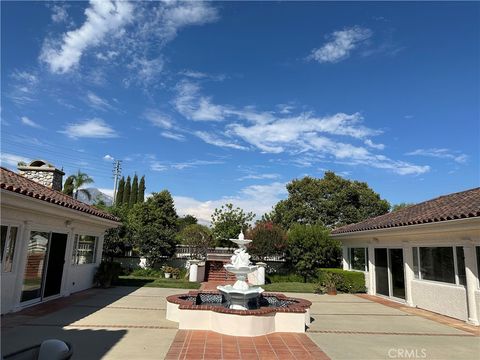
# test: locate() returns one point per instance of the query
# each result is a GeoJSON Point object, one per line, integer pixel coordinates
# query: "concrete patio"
{"type": "Point", "coordinates": [129, 323]}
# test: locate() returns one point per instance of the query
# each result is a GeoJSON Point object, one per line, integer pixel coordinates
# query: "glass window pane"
{"type": "Point", "coordinates": [85, 249]}
{"type": "Point", "coordinates": [462, 278]}
{"type": "Point", "coordinates": [37, 251]}
{"type": "Point", "coordinates": [357, 259]}
{"type": "Point", "coordinates": [4, 231]}
{"type": "Point", "coordinates": [437, 264]}
{"type": "Point", "coordinates": [10, 250]}
{"type": "Point", "coordinates": [415, 261]}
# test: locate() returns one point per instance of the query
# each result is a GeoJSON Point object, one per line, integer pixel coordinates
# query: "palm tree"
{"type": "Point", "coordinates": [80, 179]}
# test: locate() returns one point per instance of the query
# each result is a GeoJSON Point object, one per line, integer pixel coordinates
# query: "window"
{"type": "Point", "coordinates": [415, 262]}
{"type": "Point", "coordinates": [8, 241]}
{"type": "Point", "coordinates": [462, 278]}
{"type": "Point", "coordinates": [437, 264]}
{"type": "Point", "coordinates": [84, 249]}
{"type": "Point", "coordinates": [359, 259]}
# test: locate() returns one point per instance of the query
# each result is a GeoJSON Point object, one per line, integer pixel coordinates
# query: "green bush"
{"type": "Point", "coordinates": [107, 272]}
{"type": "Point", "coordinates": [277, 278]}
{"type": "Point", "coordinates": [347, 281]}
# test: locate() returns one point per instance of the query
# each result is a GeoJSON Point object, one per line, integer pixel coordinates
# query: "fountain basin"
{"type": "Point", "coordinates": [208, 310]}
{"type": "Point", "coordinates": [241, 298]}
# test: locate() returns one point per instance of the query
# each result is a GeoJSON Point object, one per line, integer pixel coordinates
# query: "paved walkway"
{"type": "Point", "coordinates": [129, 323]}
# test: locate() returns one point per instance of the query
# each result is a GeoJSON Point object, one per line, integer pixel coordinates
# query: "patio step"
{"type": "Point", "coordinates": [216, 272]}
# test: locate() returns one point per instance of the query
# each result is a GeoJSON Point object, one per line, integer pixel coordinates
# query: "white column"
{"type": "Point", "coordinates": [345, 260]}
{"type": "Point", "coordinates": [470, 272]}
{"type": "Point", "coordinates": [261, 273]}
{"type": "Point", "coordinates": [371, 270]}
{"type": "Point", "coordinates": [409, 274]}
{"type": "Point", "coordinates": [193, 270]}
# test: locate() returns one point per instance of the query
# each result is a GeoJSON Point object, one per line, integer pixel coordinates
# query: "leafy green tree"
{"type": "Point", "coordinates": [153, 226]}
{"type": "Point", "coordinates": [126, 191]}
{"type": "Point", "coordinates": [227, 223]}
{"type": "Point", "coordinates": [310, 247]}
{"type": "Point", "coordinates": [186, 220]}
{"type": "Point", "coordinates": [332, 201]}
{"type": "Point", "coordinates": [80, 179]}
{"type": "Point", "coordinates": [141, 190]}
{"type": "Point", "coordinates": [134, 192]}
{"type": "Point", "coordinates": [120, 191]}
{"type": "Point", "coordinates": [68, 186]}
{"type": "Point", "coordinates": [401, 206]}
{"type": "Point", "coordinates": [117, 240]}
{"type": "Point", "coordinates": [198, 238]}
{"type": "Point", "coordinates": [268, 240]}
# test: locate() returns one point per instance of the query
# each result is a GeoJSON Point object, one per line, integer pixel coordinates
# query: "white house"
{"type": "Point", "coordinates": [426, 255]}
{"type": "Point", "coordinates": [51, 243]}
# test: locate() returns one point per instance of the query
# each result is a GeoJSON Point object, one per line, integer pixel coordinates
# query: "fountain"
{"type": "Point", "coordinates": [239, 309]}
{"type": "Point", "coordinates": [241, 296]}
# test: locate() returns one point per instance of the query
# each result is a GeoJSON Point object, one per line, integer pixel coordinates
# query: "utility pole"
{"type": "Point", "coordinates": [117, 171]}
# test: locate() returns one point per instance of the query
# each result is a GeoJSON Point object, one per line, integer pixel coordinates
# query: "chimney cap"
{"type": "Point", "coordinates": [40, 165]}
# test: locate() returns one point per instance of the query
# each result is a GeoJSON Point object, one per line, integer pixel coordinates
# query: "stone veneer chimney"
{"type": "Point", "coordinates": [43, 173]}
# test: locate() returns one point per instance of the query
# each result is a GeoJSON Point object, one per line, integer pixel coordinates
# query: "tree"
{"type": "Point", "coordinates": [183, 222]}
{"type": "Point", "coordinates": [153, 226]}
{"type": "Point", "coordinates": [310, 247]}
{"type": "Point", "coordinates": [120, 191]}
{"type": "Point", "coordinates": [401, 206]}
{"type": "Point", "coordinates": [141, 190]}
{"type": "Point", "coordinates": [80, 179]}
{"type": "Point", "coordinates": [332, 201]}
{"type": "Point", "coordinates": [68, 186]}
{"type": "Point", "coordinates": [126, 192]}
{"type": "Point", "coordinates": [116, 240]}
{"type": "Point", "coordinates": [268, 240]}
{"type": "Point", "coordinates": [134, 192]}
{"type": "Point", "coordinates": [198, 238]}
{"type": "Point", "coordinates": [227, 223]}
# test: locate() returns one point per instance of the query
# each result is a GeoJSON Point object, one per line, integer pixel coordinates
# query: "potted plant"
{"type": "Point", "coordinates": [167, 271]}
{"type": "Point", "coordinates": [330, 282]}
{"type": "Point", "coordinates": [175, 273]}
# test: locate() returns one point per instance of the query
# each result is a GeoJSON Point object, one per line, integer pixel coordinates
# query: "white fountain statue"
{"type": "Point", "coordinates": [240, 294]}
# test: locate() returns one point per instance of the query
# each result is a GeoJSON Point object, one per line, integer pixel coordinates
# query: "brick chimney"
{"type": "Point", "coordinates": [43, 173]}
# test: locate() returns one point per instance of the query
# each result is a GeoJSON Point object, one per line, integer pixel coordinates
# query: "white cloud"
{"type": "Point", "coordinates": [258, 199]}
{"type": "Point", "coordinates": [26, 121]}
{"type": "Point", "coordinates": [102, 18]}
{"type": "Point", "coordinates": [173, 136]}
{"type": "Point", "coordinates": [193, 106]}
{"type": "Point", "coordinates": [24, 87]}
{"type": "Point", "coordinates": [107, 191]}
{"type": "Point", "coordinates": [341, 43]}
{"type": "Point", "coordinates": [108, 158]}
{"type": "Point", "coordinates": [156, 165]}
{"type": "Point", "coordinates": [7, 159]}
{"type": "Point", "coordinates": [198, 75]}
{"type": "Point", "coordinates": [441, 154]}
{"type": "Point", "coordinates": [215, 140]}
{"type": "Point", "coordinates": [91, 128]}
{"type": "Point", "coordinates": [159, 119]}
{"type": "Point", "coordinates": [97, 102]}
{"type": "Point", "coordinates": [259, 177]}
{"type": "Point", "coordinates": [59, 13]}
{"type": "Point", "coordinates": [370, 143]}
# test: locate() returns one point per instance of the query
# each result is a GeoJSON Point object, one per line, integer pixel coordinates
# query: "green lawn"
{"type": "Point", "coordinates": [290, 287]}
{"type": "Point", "coordinates": [156, 282]}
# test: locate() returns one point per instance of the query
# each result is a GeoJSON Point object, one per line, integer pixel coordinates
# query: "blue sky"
{"type": "Point", "coordinates": [229, 101]}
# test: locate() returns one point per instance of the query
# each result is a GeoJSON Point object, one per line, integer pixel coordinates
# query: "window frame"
{"type": "Point", "coordinates": [8, 242]}
{"type": "Point", "coordinates": [419, 277]}
{"type": "Point", "coordinates": [366, 266]}
{"type": "Point", "coordinates": [75, 251]}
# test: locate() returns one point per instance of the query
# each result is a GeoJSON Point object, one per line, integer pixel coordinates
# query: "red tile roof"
{"type": "Point", "coordinates": [13, 182]}
{"type": "Point", "coordinates": [459, 205]}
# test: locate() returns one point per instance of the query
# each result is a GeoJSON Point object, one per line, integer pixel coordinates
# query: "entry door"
{"type": "Point", "coordinates": [389, 272]}
{"type": "Point", "coordinates": [56, 262]}
{"type": "Point", "coordinates": [44, 267]}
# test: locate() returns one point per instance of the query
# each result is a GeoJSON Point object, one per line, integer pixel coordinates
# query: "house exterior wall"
{"type": "Point", "coordinates": [28, 215]}
{"type": "Point", "coordinates": [447, 299]}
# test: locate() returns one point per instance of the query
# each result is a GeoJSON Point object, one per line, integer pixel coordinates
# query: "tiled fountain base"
{"type": "Point", "coordinates": [200, 344]}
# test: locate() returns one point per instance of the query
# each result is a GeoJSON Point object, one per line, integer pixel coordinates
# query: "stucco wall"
{"type": "Point", "coordinates": [441, 298]}
{"type": "Point", "coordinates": [477, 296]}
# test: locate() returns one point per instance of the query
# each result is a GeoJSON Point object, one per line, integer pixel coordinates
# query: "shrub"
{"type": "Point", "coordinates": [346, 281]}
{"type": "Point", "coordinates": [107, 272]}
{"type": "Point", "coordinates": [147, 273]}
{"type": "Point", "coordinates": [268, 240]}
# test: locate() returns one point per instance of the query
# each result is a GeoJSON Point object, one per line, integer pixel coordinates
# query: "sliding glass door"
{"type": "Point", "coordinates": [389, 272]}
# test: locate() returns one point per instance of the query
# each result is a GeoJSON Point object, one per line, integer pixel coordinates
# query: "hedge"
{"type": "Point", "coordinates": [349, 281]}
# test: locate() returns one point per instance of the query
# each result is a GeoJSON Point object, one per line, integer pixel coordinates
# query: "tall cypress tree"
{"type": "Point", "coordinates": [121, 188]}
{"type": "Point", "coordinates": [134, 192]}
{"type": "Point", "coordinates": [126, 191]}
{"type": "Point", "coordinates": [68, 186]}
{"type": "Point", "coordinates": [141, 190]}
